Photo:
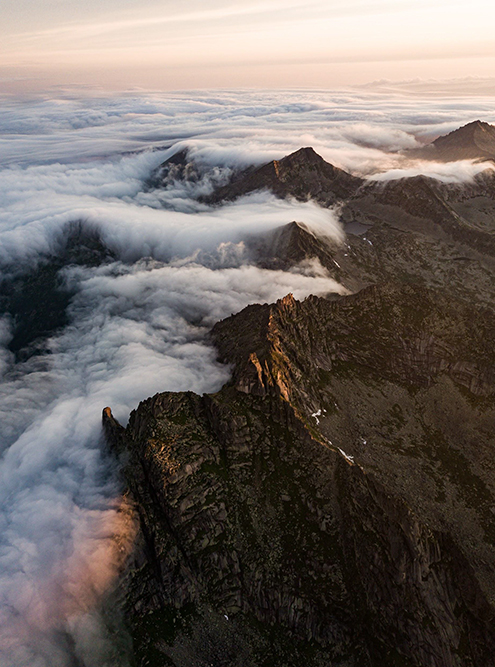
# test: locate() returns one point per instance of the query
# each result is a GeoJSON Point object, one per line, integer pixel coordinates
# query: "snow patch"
{"type": "Point", "coordinates": [317, 414]}
{"type": "Point", "coordinates": [346, 456]}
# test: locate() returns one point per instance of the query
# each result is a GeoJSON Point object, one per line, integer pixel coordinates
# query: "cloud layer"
{"type": "Point", "coordinates": [138, 324]}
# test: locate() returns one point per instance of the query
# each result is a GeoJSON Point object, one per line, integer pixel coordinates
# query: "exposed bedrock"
{"type": "Point", "coordinates": [334, 504]}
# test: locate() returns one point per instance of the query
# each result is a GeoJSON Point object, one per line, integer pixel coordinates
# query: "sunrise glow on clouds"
{"type": "Point", "coordinates": [87, 115]}
{"type": "Point", "coordinates": [231, 43]}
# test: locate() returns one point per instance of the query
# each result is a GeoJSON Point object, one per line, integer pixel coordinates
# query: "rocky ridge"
{"type": "Point", "coordinates": [303, 175]}
{"type": "Point", "coordinates": [261, 503]}
{"type": "Point", "coordinates": [334, 504]}
{"type": "Point", "coordinates": [474, 141]}
{"type": "Point", "coordinates": [418, 228]}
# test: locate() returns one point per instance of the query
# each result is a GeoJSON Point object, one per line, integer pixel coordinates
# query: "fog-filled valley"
{"type": "Point", "coordinates": [112, 280]}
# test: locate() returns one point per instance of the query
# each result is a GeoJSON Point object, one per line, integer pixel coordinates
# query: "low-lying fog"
{"type": "Point", "coordinates": [138, 322]}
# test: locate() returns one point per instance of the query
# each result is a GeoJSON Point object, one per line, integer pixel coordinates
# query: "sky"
{"type": "Point", "coordinates": [165, 45]}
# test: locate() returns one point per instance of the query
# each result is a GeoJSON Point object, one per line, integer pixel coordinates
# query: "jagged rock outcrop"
{"type": "Point", "coordinates": [405, 334]}
{"type": "Point", "coordinates": [290, 245]}
{"type": "Point", "coordinates": [334, 504]}
{"type": "Point", "coordinates": [296, 244]}
{"type": "Point", "coordinates": [178, 167]}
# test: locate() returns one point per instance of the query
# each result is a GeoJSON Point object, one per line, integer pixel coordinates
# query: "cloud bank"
{"type": "Point", "coordinates": [138, 322]}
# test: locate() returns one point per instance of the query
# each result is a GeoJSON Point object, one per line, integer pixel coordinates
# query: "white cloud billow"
{"type": "Point", "coordinates": [139, 323]}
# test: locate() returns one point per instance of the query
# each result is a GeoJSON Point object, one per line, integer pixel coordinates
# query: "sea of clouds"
{"type": "Point", "coordinates": [138, 324]}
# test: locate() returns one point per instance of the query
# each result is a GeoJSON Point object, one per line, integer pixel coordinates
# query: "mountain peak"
{"type": "Point", "coordinates": [467, 130]}
{"type": "Point", "coordinates": [306, 153]}
{"type": "Point", "coordinates": [303, 174]}
{"type": "Point", "coordinates": [473, 141]}
{"type": "Point", "coordinates": [473, 124]}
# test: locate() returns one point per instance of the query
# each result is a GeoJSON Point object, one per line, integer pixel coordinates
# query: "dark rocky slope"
{"type": "Point", "coordinates": [474, 141]}
{"type": "Point", "coordinates": [303, 175]}
{"type": "Point", "coordinates": [37, 298]}
{"type": "Point", "coordinates": [423, 231]}
{"type": "Point", "coordinates": [335, 503]}
{"type": "Point", "coordinates": [296, 244]}
{"type": "Point", "coordinates": [250, 509]}
{"type": "Point", "coordinates": [415, 230]}
{"type": "Point", "coordinates": [178, 167]}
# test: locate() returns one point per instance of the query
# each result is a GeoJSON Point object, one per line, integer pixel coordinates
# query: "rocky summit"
{"type": "Point", "coordinates": [303, 175]}
{"type": "Point", "coordinates": [474, 141]}
{"type": "Point", "coordinates": [334, 503]}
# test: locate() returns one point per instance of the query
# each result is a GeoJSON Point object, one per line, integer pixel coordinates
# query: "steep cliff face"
{"type": "Point", "coordinates": [402, 334]}
{"type": "Point", "coordinates": [334, 504]}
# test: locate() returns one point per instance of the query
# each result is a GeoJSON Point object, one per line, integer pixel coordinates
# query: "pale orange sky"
{"type": "Point", "coordinates": [119, 44]}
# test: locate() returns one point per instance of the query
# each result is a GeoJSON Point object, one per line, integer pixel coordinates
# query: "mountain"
{"type": "Point", "coordinates": [178, 167]}
{"type": "Point", "coordinates": [440, 234]}
{"type": "Point", "coordinates": [333, 504]}
{"type": "Point", "coordinates": [424, 231]}
{"type": "Point", "coordinates": [474, 141]}
{"type": "Point", "coordinates": [303, 175]}
{"type": "Point", "coordinates": [417, 226]}
{"type": "Point", "coordinates": [295, 243]}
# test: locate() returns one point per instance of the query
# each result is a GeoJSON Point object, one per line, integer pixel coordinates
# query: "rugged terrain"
{"type": "Point", "coordinates": [416, 230]}
{"type": "Point", "coordinates": [474, 141]}
{"type": "Point", "coordinates": [303, 175]}
{"type": "Point", "coordinates": [334, 504]}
